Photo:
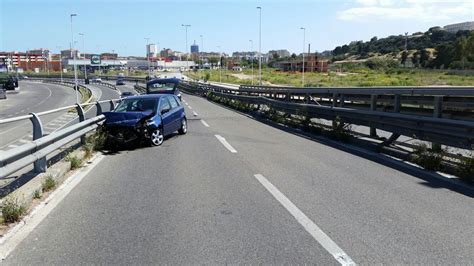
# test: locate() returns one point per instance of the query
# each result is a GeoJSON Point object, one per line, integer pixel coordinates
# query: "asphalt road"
{"type": "Point", "coordinates": [252, 194]}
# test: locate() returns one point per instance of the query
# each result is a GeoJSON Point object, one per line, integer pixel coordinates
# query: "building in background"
{"type": "Point", "coordinates": [45, 52]}
{"type": "Point", "coordinates": [151, 50]}
{"type": "Point", "coordinates": [69, 53]}
{"type": "Point", "coordinates": [459, 26]}
{"type": "Point", "coordinates": [279, 53]}
{"type": "Point", "coordinates": [109, 56]}
{"type": "Point", "coordinates": [311, 64]}
{"type": "Point", "coordinates": [194, 48]}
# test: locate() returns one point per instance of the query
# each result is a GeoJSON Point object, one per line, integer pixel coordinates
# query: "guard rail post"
{"type": "Point", "coordinates": [334, 99]}
{"type": "Point", "coordinates": [396, 103]}
{"type": "Point", "coordinates": [98, 108]}
{"type": "Point", "coordinates": [373, 107]}
{"type": "Point", "coordinates": [342, 99]}
{"type": "Point", "coordinates": [80, 112]}
{"type": "Point", "coordinates": [112, 105]}
{"type": "Point", "coordinates": [437, 113]}
{"type": "Point", "coordinates": [40, 165]}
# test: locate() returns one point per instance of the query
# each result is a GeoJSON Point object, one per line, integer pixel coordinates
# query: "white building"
{"type": "Point", "coordinates": [151, 50]}
{"type": "Point", "coordinates": [459, 26]}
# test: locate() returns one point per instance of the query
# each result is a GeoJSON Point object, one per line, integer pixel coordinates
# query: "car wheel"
{"type": "Point", "coordinates": [184, 127]}
{"type": "Point", "coordinates": [156, 137]}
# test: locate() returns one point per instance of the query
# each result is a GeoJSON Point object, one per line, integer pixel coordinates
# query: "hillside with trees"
{"type": "Point", "coordinates": [435, 48]}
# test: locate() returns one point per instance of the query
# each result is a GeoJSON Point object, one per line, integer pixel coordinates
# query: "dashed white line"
{"type": "Point", "coordinates": [321, 237]}
{"type": "Point", "coordinates": [204, 123]}
{"type": "Point", "coordinates": [195, 114]}
{"type": "Point", "coordinates": [226, 144]}
{"type": "Point", "coordinates": [190, 108]}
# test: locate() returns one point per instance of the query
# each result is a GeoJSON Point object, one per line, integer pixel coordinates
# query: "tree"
{"type": "Point", "coordinates": [444, 56]}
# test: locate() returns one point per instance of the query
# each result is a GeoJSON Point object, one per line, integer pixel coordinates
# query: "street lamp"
{"type": "Point", "coordinates": [220, 63]}
{"type": "Point", "coordinates": [186, 29]}
{"type": "Point", "coordinates": [202, 57]}
{"type": "Point", "coordinates": [251, 57]}
{"type": "Point", "coordinates": [84, 52]}
{"type": "Point", "coordinates": [148, 55]}
{"type": "Point", "coordinates": [260, 47]}
{"type": "Point", "coordinates": [304, 44]}
{"type": "Point", "coordinates": [60, 63]}
{"type": "Point", "coordinates": [74, 58]}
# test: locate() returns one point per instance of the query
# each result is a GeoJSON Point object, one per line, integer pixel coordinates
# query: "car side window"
{"type": "Point", "coordinates": [164, 104]}
{"type": "Point", "coordinates": [173, 102]}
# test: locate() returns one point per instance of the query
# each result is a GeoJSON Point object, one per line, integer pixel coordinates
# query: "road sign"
{"type": "Point", "coordinates": [95, 59]}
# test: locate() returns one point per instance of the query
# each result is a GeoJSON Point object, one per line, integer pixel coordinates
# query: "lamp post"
{"type": "Point", "coordinates": [202, 58]}
{"type": "Point", "coordinates": [74, 58]}
{"type": "Point", "coordinates": [220, 63]}
{"type": "Point", "coordinates": [148, 55]}
{"type": "Point", "coordinates": [186, 26]}
{"type": "Point", "coordinates": [84, 52]}
{"type": "Point", "coordinates": [60, 63]}
{"type": "Point", "coordinates": [260, 46]}
{"type": "Point", "coordinates": [304, 44]}
{"type": "Point", "coordinates": [251, 58]}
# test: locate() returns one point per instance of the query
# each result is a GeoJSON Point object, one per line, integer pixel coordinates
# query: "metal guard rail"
{"type": "Point", "coordinates": [43, 145]}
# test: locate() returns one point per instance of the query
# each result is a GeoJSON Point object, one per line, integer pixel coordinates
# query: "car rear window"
{"type": "Point", "coordinates": [155, 87]}
{"type": "Point", "coordinates": [136, 105]}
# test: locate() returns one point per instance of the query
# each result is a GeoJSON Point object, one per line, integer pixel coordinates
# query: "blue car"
{"type": "Point", "coordinates": [145, 117]}
{"type": "Point", "coordinates": [163, 86]}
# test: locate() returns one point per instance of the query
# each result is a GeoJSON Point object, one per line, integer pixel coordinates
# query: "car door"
{"type": "Point", "coordinates": [176, 115]}
{"type": "Point", "coordinates": [166, 116]}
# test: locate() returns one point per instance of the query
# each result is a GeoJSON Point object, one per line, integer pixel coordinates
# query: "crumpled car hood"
{"type": "Point", "coordinates": [124, 118]}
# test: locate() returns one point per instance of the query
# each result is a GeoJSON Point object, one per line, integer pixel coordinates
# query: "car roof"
{"type": "Point", "coordinates": [149, 96]}
{"type": "Point", "coordinates": [163, 80]}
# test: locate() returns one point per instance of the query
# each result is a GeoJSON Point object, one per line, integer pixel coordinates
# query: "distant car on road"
{"type": "Point", "coordinates": [127, 94]}
{"type": "Point", "coordinates": [120, 82]}
{"type": "Point", "coordinates": [163, 86]}
{"type": "Point", "coordinates": [96, 79]}
{"type": "Point", "coordinates": [145, 117]}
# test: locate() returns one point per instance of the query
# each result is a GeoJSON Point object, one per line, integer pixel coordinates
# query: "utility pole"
{"type": "Point", "coordinates": [260, 47]}
{"type": "Point", "coordinates": [186, 51]}
{"type": "Point", "coordinates": [406, 48]}
{"type": "Point", "coordinates": [251, 57]}
{"type": "Point", "coordinates": [220, 64]}
{"type": "Point", "coordinates": [304, 46]}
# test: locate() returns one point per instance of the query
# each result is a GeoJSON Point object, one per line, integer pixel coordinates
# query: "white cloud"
{"type": "Point", "coordinates": [416, 10]}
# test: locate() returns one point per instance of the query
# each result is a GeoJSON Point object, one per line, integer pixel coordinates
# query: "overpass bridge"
{"type": "Point", "coordinates": [240, 188]}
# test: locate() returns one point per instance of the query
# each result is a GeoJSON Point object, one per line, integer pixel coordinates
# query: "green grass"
{"type": "Point", "coordinates": [48, 184]}
{"type": "Point", "coordinates": [358, 77]}
{"type": "Point", "coordinates": [12, 210]}
{"type": "Point", "coordinates": [75, 162]}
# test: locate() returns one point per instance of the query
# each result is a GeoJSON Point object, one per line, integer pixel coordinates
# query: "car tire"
{"type": "Point", "coordinates": [156, 137]}
{"type": "Point", "coordinates": [184, 126]}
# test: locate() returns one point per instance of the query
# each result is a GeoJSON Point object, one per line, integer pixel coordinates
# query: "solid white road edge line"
{"type": "Point", "coordinates": [20, 231]}
{"type": "Point", "coordinates": [226, 144]}
{"type": "Point", "coordinates": [204, 123]}
{"type": "Point", "coordinates": [309, 225]}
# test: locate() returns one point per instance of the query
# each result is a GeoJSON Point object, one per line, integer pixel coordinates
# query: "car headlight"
{"type": "Point", "coordinates": [150, 122]}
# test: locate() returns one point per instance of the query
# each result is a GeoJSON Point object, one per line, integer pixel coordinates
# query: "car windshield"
{"type": "Point", "coordinates": [136, 105]}
{"type": "Point", "coordinates": [161, 87]}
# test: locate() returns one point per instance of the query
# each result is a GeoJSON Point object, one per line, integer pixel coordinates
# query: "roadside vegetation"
{"type": "Point", "coordinates": [12, 210]}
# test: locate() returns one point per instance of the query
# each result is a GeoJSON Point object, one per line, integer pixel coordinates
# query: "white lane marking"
{"type": "Point", "coordinates": [190, 108]}
{"type": "Point", "coordinates": [13, 146]}
{"type": "Point", "coordinates": [309, 225]}
{"type": "Point", "coordinates": [49, 127]}
{"type": "Point", "coordinates": [19, 232]}
{"type": "Point", "coordinates": [195, 114]}
{"type": "Point", "coordinates": [24, 140]}
{"type": "Point", "coordinates": [204, 123]}
{"type": "Point", "coordinates": [226, 144]}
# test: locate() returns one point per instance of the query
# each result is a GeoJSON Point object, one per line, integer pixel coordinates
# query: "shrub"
{"type": "Point", "coordinates": [37, 194]}
{"type": "Point", "coordinates": [48, 184]}
{"type": "Point", "coordinates": [465, 170]}
{"type": "Point", "coordinates": [340, 130]}
{"type": "Point", "coordinates": [428, 158]}
{"type": "Point", "coordinates": [12, 210]}
{"type": "Point", "coordinates": [75, 162]}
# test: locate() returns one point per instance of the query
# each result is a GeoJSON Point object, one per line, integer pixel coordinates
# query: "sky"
{"type": "Point", "coordinates": [122, 26]}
